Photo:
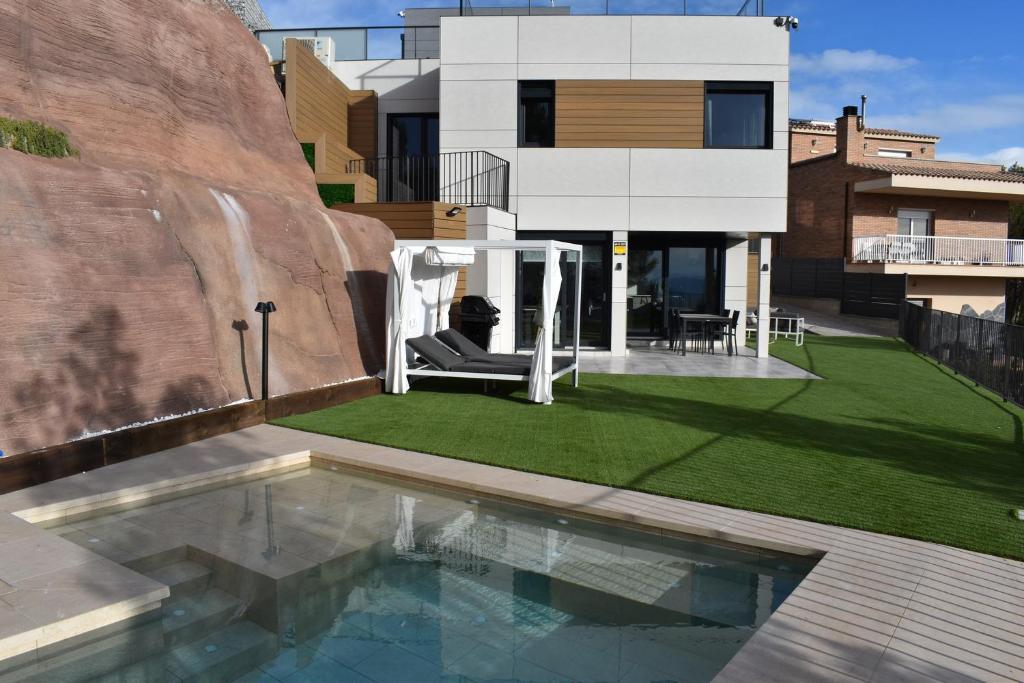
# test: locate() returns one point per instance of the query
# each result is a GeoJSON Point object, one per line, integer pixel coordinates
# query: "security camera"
{"type": "Point", "coordinates": [402, 14]}
{"type": "Point", "coordinates": [780, 21]}
{"type": "Point", "coordinates": [794, 22]}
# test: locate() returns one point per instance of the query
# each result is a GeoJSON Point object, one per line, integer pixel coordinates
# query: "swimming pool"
{"type": "Point", "coordinates": [330, 576]}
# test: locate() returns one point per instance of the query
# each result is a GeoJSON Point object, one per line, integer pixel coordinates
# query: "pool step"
{"type": "Point", "coordinates": [193, 616]}
{"type": "Point", "coordinates": [183, 578]}
{"type": "Point", "coordinates": [223, 655]}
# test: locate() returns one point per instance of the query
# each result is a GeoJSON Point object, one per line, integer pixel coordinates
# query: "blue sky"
{"type": "Point", "coordinates": [945, 67]}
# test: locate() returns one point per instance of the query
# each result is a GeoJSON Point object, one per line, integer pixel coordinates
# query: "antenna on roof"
{"type": "Point", "coordinates": [862, 120]}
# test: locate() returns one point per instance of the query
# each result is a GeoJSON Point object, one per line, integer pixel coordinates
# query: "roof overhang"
{"type": "Point", "coordinates": [943, 187]}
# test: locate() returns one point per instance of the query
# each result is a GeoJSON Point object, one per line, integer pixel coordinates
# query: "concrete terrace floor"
{"type": "Point", "coordinates": [663, 361]}
{"type": "Point", "coordinates": [875, 608]}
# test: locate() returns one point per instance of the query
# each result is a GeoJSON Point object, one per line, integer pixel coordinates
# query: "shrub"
{"type": "Point", "coordinates": [337, 194]}
{"type": "Point", "coordinates": [31, 137]}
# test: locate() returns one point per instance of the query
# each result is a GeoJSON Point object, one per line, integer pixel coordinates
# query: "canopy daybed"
{"type": "Point", "coordinates": [421, 286]}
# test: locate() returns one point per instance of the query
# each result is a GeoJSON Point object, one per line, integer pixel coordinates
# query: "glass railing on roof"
{"type": "Point", "coordinates": [419, 36]}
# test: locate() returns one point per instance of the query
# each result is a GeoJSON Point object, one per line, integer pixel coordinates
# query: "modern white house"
{"type": "Point", "coordinates": [659, 143]}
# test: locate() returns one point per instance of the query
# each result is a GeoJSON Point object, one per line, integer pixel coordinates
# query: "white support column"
{"type": "Point", "coordinates": [736, 284]}
{"type": "Point", "coordinates": [618, 302]}
{"type": "Point", "coordinates": [577, 319]}
{"type": "Point", "coordinates": [764, 291]}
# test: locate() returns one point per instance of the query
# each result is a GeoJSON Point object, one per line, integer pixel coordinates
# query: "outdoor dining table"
{"type": "Point", "coordinates": [686, 318]}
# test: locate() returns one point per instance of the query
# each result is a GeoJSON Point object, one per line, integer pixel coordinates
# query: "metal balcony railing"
{"type": "Point", "coordinates": [939, 250]}
{"type": "Point", "coordinates": [468, 178]}
{"type": "Point", "coordinates": [419, 37]}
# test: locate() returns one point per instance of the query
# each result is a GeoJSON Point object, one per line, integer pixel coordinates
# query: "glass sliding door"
{"type": "Point", "coordinates": [692, 281]}
{"type": "Point", "coordinates": [645, 293]}
{"type": "Point", "coordinates": [670, 272]}
{"type": "Point", "coordinates": [595, 298]}
{"type": "Point", "coordinates": [411, 170]}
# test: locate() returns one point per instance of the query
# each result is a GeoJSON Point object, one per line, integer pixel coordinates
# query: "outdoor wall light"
{"type": "Point", "coordinates": [265, 308]}
{"type": "Point", "coordinates": [453, 212]}
{"type": "Point", "coordinates": [974, 213]}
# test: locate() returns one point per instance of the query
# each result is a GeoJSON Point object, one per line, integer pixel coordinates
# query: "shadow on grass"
{"type": "Point", "coordinates": [964, 460]}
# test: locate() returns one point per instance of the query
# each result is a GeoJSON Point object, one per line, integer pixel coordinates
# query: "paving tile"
{"type": "Point", "coordinates": [38, 553]}
{"type": "Point", "coordinates": [54, 596]}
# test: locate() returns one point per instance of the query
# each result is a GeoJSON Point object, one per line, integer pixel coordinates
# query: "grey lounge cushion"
{"type": "Point", "coordinates": [436, 353]}
{"type": "Point", "coordinates": [458, 341]}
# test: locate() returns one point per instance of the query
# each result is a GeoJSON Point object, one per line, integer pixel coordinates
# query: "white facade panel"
{"type": "Point", "coordinates": [480, 105]}
{"type": "Point", "coordinates": [541, 72]}
{"type": "Point", "coordinates": [572, 213]}
{"type": "Point", "coordinates": [708, 40]}
{"type": "Point", "coordinates": [481, 72]}
{"type": "Point", "coordinates": [709, 72]}
{"type": "Point", "coordinates": [708, 172]}
{"type": "Point", "coordinates": [574, 40]}
{"type": "Point", "coordinates": [707, 214]}
{"type": "Point", "coordinates": [468, 40]}
{"type": "Point", "coordinates": [574, 172]}
{"type": "Point", "coordinates": [481, 139]}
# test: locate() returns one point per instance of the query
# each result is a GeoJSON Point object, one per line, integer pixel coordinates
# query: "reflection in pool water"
{"type": "Point", "coordinates": [319, 575]}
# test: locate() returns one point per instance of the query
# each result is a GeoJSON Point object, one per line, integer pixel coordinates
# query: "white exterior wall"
{"type": "Point", "coordinates": [483, 58]}
{"type": "Point", "coordinates": [493, 274]}
{"type": "Point", "coordinates": [404, 86]}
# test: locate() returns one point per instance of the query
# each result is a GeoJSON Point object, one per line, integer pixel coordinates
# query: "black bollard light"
{"type": "Point", "coordinates": [266, 308]}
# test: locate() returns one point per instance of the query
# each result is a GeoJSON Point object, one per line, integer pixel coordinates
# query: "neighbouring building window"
{"type": "Point", "coordinates": [914, 222]}
{"type": "Point", "coordinates": [536, 113]}
{"type": "Point", "coordinates": [894, 153]}
{"type": "Point", "coordinates": [738, 115]}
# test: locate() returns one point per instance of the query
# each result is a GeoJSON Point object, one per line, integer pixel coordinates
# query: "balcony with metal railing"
{"type": "Point", "coordinates": [419, 37]}
{"type": "Point", "coordinates": [942, 251]}
{"type": "Point", "coordinates": [475, 178]}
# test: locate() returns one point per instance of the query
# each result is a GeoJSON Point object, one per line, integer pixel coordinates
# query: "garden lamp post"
{"type": "Point", "coordinates": [265, 308]}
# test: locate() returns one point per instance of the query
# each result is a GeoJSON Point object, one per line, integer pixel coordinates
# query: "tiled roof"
{"type": "Point", "coordinates": [939, 171]}
{"type": "Point", "coordinates": [826, 127]}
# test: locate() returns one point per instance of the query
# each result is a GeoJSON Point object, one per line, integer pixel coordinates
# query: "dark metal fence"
{"type": "Point", "coordinates": [469, 178]}
{"type": "Point", "coordinates": [870, 294]}
{"type": "Point", "coordinates": [988, 352]}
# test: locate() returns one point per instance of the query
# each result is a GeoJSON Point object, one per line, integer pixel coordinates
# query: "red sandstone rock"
{"type": "Point", "coordinates": [128, 275]}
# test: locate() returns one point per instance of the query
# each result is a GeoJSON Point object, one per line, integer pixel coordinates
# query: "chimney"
{"type": "Point", "coordinates": [849, 139]}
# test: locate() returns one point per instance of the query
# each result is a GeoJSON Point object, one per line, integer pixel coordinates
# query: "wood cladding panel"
{"type": "Point", "coordinates": [618, 113]}
{"type": "Point", "coordinates": [417, 221]}
{"type": "Point", "coordinates": [362, 123]}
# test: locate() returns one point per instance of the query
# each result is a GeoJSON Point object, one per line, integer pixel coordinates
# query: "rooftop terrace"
{"type": "Point", "coordinates": [418, 36]}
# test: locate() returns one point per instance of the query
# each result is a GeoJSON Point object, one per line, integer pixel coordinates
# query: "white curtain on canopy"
{"type": "Point", "coordinates": [399, 287]}
{"type": "Point", "coordinates": [540, 369]}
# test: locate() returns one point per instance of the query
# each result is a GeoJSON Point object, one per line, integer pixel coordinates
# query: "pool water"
{"type": "Point", "coordinates": [321, 575]}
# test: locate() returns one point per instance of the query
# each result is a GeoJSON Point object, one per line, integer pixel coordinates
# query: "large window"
{"type": "Point", "coordinates": [738, 115]}
{"type": "Point", "coordinates": [536, 113]}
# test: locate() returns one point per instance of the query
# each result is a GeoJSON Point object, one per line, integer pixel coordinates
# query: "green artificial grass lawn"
{"type": "Point", "coordinates": [887, 441]}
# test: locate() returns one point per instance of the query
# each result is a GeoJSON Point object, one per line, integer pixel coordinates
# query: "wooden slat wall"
{"type": "Point", "coordinates": [417, 221]}
{"type": "Point", "coordinates": [619, 113]}
{"type": "Point", "coordinates": [362, 122]}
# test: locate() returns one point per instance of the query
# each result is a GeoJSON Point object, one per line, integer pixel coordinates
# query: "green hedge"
{"type": "Point", "coordinates": [31, 137]}
{"type": "Point", "coordinates": [337, 194]}
{"type": "Point", "coordinates": [309, 151]}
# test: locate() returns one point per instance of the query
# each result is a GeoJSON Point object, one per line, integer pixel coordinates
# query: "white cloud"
{"type": "Point", "coordinates": [999, 111]}
{"type": "Point", "coordinates": [1006, 156]}
{"type": "Point", "coordinates": [839, 61]}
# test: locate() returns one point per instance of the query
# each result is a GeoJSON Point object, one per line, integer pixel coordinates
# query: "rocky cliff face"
{"type": "Point", "coordinates": [129, 275]}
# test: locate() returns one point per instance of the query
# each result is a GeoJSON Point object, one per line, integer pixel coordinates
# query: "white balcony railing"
{"type": "Point", "coordinates": [962, 251]}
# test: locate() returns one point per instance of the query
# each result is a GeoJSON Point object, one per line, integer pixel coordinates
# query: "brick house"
{"type": "Point", "coordinates": [882, 202]}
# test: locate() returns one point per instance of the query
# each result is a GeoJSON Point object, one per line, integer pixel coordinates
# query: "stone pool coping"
{"type": "Point", "coordinates": [875, 608]}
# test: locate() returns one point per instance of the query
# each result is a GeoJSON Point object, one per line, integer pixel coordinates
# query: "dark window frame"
{"type": "Point", "coordinates": [521, 112]}
{"type": "Point", "coordinates": [766, 88]}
